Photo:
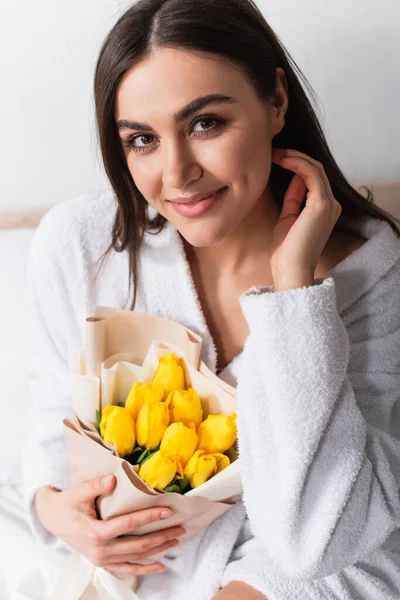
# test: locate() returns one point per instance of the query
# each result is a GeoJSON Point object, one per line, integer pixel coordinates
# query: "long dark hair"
{"type": "Point", "coordinates": [236, 30]}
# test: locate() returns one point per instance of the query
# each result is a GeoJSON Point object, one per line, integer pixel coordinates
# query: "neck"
{"type": "Point", "coordinates": [235, 252]}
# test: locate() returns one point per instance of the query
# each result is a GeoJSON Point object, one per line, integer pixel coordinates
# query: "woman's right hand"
{"type": "Point", "coordinates": [71, 516]}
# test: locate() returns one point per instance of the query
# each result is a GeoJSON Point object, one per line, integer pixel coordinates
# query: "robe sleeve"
{"type": "Point", "coordinates": [320, 481]}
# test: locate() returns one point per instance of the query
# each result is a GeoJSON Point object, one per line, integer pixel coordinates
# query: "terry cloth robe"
{"type": "Point", "coordinates": [318, 410]}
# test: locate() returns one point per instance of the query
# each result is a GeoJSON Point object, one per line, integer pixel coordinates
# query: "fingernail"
{"type": "Point", "coordinates": [166, 514]}
{"type": "Point", "coordinates": [160, 568]}
{"type": "Point", "coordinates": [106, 479]}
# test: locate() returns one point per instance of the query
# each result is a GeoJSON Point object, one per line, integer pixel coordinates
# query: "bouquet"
{"type": "Point", "coordinates": [160, 430]}
{"type": "Point", "coordinates": [148, 410]}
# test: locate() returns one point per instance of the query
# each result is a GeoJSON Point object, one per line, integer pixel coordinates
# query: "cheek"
{"type": "Point", "coordinates": [250, 156]}
{"type": "Point", "coordinates": [228, 158]}
{"type": "Point", "coordinates": [144, 175]}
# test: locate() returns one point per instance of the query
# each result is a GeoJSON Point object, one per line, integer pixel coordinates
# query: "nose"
{"type": "Point", "coordinates": [180, 167]}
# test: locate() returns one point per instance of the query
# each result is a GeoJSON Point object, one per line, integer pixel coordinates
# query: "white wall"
{"type": "Point", "coordinates": [349, 51]}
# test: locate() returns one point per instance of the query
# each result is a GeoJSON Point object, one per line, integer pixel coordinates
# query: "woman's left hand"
{"type": "Point", "coordinates": [299, 238]}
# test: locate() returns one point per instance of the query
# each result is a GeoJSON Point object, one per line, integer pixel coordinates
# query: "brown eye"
{"type": "Point", "coordinates": [130, 142]}
{"type": "Point", "coordinates": [202, 121]}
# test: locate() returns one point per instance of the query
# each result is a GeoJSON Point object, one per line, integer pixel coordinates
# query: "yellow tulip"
{"type": "Point", "coordinates": [117, 427]}
{"type": "Point", "coordinates": [179, 440]}
{"type": "Point", "coordinates": [223, 461]}
{"type": "Point", "coordinates": [185, 406]}
{"type": "Point", "coordinates": [151, 423]}
{"type": "Point", "coordinates": [170, 374]}
{"type": "Point", "coordinates": [141, 394]}
{"type": "Point", "coordinates": [200, 468]}
{"type": "Point", "coordinates": [158, 471]}
{"type": "Point", "coordinates": [217, 433]}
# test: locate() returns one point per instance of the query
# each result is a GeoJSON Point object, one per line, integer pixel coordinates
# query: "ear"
{"type": "Point", "coordinates": [280, 102]}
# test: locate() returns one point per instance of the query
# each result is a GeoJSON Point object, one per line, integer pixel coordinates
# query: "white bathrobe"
{"type": "Point", "coordinates": [318, 405]}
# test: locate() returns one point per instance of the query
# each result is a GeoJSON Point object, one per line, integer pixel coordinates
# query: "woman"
{"type": "Point", "coordinates": [232, 217]}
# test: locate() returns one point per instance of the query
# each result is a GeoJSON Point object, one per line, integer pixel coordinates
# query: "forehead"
{"type": "Point", "coordinates": [169, 78]}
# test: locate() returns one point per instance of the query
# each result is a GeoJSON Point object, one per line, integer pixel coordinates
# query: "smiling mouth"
{"type": "Point", "coordinates": [198, 208]}
{"type": "Point", "coordinates": [194, 202]}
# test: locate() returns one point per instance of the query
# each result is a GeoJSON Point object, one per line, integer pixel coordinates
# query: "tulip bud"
{"type": "Point", "coordinates": [217, 433]}
{"type": "Point", "coordinates": [179, 440]}
{"type": "Point", "coordinates": [141, 394]}
{"type": "Point", "coordinates": [151, 423]}
{"type": "Point", "coordinates": [170, 374]}
{"type": "Point", "coordinates": [223, 461]}
{"type": "Point", "coordinates": [185, 406]}
{"type": "Point", "coordinates": [158, 471]}
{"type": "Point", "coordinates": [117, 427]}
{"type": "Point", "coordinates": [200, 468]}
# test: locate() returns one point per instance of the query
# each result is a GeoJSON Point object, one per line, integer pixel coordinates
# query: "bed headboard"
{"type": "Point", "coordinates": [20, 220]}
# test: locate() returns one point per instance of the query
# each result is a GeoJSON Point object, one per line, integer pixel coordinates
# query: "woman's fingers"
{"type": "Point", "coordinates": [311, 170]}
{"type": "Point", "coordinates": [138, 557]}
{"type": "Point", "coordinates": [294, 197]}
{"type": "Point", "coordinates": [135, 569]}
{"type": "Point", "coordinates": [138, 545]}
{"type": "Point", "coordinates": [102, 531]}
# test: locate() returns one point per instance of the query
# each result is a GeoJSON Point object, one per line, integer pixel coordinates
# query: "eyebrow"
{"type": "Point", "coordinates": [182, 114]}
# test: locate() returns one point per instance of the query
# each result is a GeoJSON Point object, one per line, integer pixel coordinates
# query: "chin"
{"type": "Point", "coordinates": [203, 234]}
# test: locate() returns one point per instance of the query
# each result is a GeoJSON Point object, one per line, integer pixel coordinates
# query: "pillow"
{"type": "Point", "coordinates": [14, 249]}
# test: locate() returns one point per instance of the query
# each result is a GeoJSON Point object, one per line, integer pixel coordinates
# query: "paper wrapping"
{"type": "Point", "coordinates": [122, 347]}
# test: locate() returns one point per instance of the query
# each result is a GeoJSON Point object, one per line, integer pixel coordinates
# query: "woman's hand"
{"type": "Point", "coordinates": [71, 516]}
{"type": "Point", "coordinates": [237, 590]}
{"type": "Point", "coordinates": [299, 238]}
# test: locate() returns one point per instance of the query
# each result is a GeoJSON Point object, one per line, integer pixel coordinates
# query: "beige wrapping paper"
{"type": "Point", "coordinates": [122, 347]}
{"type": "Point", "coordinates": [114, 331]}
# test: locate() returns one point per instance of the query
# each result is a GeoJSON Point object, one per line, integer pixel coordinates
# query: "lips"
{"type": "Point", "coordinates": [194, 198]}
{"type": "Point", "coordinates": [200, 206]}
{"type": "Point", "coordinates": [193, 202]}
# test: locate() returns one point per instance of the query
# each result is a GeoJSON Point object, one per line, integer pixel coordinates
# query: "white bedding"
{"type": "Point", "coordinates": [28, 570]}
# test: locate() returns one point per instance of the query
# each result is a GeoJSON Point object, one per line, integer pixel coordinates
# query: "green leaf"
{"type": "Point", "coordinates": [174, 488]}
{"type": "Point", "coordinates": [98, 420]}
{"type": "Point", "coordinates": [144, 455]}
{"type": "Point", "coordinates": [133, 456]}
{"type": "Point", "coordinates": [182, 482]}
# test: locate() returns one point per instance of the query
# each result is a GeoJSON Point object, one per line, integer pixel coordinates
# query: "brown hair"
{"type": "Point", "coordinates": [213, 26]}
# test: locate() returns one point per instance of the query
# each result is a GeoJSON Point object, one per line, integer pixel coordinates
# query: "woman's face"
{"type": "Point", "coordinates": [223, 144]}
